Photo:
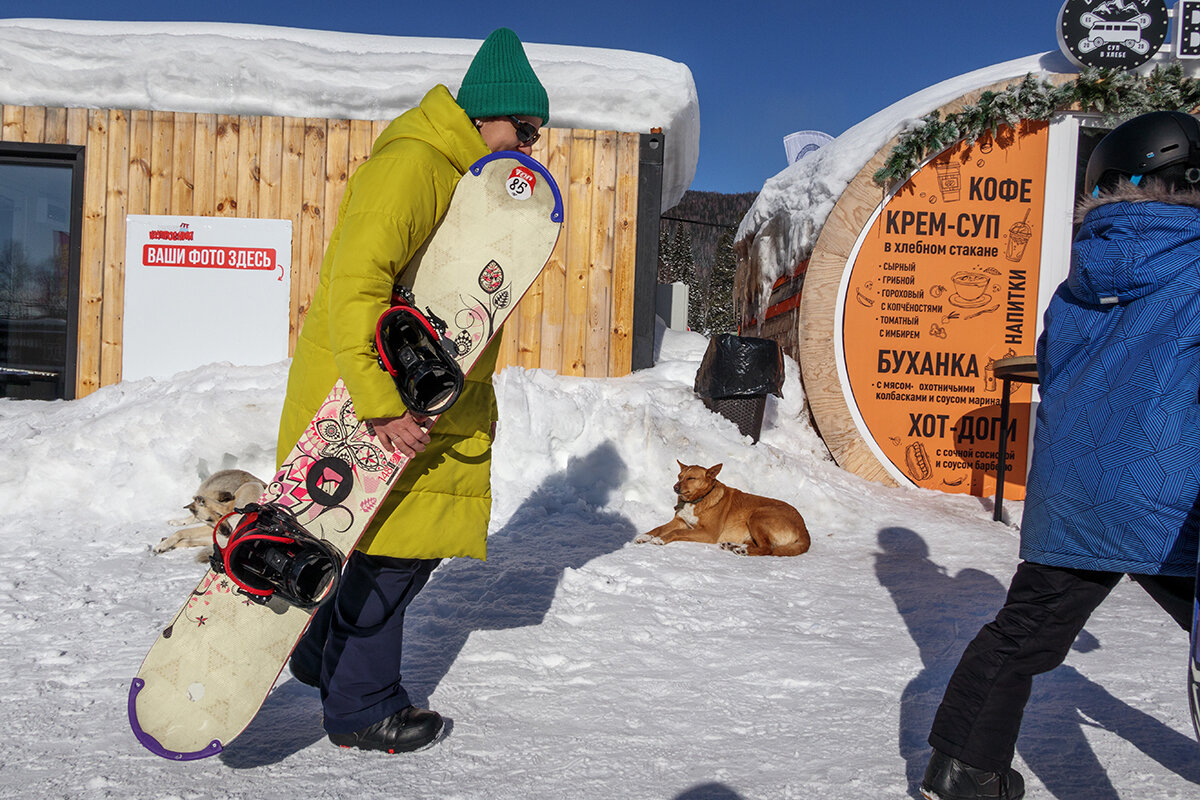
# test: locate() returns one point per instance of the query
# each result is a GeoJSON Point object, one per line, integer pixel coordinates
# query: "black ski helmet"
{"type": "Point", "coordinates": [1165, 144]}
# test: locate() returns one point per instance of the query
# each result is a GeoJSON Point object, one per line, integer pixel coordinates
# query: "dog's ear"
{"type": "Point", "coordinates": [714, 471]}
{"type": "Point", "coordinates": [224, 497]}
{"type": "Point", "coordinates": [682, 466]}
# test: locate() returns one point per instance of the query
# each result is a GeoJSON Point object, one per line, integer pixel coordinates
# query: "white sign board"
{"type": "Point", "coordinates": [802, 143]}
{"type": "Point", "coordinates": [199, 290]}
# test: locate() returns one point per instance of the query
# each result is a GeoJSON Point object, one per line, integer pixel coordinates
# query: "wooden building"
{"type": "Point", "coordinates": [581, 318]}
{"type": "Point", "coordinates": [108, 125]}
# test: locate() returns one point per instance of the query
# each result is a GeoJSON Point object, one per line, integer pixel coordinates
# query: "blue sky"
{"type": "Point", "coordinates": [762, 69]}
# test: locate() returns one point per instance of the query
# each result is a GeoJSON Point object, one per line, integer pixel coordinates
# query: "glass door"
{"type": "Point", "coordinates": [40, 214]}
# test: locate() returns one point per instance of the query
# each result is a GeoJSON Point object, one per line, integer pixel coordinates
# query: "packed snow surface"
{"type": "Point", "coordinates": [261, 69]}
{"type": "Point", "coordinates": [573, 663]}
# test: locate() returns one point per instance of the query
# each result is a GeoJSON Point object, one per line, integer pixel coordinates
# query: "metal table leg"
{"type": "Point", "coordinates": [1002, 455]}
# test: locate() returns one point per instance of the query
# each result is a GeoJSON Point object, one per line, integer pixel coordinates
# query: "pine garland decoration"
{"type": "Point", "coordinates": [1117, 95]}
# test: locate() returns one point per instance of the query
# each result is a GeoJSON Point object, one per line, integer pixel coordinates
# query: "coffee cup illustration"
{"type": "Point", "coordinates": [970, 289]}
{"type": "Point", "coordinates": [949, 180]}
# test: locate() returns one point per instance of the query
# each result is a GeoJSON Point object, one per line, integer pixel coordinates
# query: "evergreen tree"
{"type": "Point", "coordinates": [698, 291]}
{"type": "Point", "coordinates": [682, 245]}
{"type": "Point", "coordinates": [674, 254]}
{"type": "Point", "coordinates": [691, 243]}
{"type": "Point", "coordinates": [720, 317]}
{"type": "Point", "coordinates": [666, 261]}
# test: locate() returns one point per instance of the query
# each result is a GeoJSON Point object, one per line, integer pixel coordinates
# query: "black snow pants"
{"type": "Point", "coordinates": [1046, 608]}
{"type": "Point", "coordinates": [355, 640]}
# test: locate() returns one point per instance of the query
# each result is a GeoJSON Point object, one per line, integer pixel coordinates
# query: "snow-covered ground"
{"type": "Point", "coordinates": [573, 663]}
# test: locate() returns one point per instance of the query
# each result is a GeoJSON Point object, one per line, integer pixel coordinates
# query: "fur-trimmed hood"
{"type": "Point", "coordinates": [1150, 191]}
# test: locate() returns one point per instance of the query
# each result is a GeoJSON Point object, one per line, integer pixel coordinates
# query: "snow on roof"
{"type": "Point", "coordinates": [781, 228]}
{"type": "Point", "coordinates": [260, 69]}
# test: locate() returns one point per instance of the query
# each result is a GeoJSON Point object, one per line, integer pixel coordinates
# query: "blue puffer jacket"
{"type": "Point", "coordinates": [1116, 467]}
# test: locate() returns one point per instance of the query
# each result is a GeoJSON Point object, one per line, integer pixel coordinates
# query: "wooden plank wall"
{"type": "Point", "coordinates": [578, 316]}
{"type": "Point", "coordinates": [577, 319]}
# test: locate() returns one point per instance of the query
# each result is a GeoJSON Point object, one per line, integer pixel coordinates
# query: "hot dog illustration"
{"type": "Point", "coordinates": [916, 459]}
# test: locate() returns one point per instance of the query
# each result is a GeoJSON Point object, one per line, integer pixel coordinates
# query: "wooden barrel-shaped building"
{"type": "Point", "coordinates": [898, 300]}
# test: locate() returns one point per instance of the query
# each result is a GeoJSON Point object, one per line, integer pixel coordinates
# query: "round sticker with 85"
{"type": "Point", "coordinates": [520, 183]}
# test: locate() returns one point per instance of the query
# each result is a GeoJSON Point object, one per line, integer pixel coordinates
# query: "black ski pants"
{"type": "Point", "coordinates": [355, 640]}
{"type": "Point", "coordinates": [1046, 608]}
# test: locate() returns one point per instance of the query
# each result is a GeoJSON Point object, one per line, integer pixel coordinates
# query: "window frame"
{"type": "Point", "coordinates": [73, 156]}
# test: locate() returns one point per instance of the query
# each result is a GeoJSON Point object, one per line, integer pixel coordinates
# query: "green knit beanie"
{"type": "Point", "coordinates": [500, 81]}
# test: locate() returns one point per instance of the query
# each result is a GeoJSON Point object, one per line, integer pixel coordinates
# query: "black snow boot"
{"type": "Point", "coordinates": [410, 728]}
{"type": "Point", "coordinates": [948, 778]}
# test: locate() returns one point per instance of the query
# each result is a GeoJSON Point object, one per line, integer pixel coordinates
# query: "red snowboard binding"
{"type": "Point", "coordinates": [270, 554]}
{"type": "Point", "coordinates": [413, 349]}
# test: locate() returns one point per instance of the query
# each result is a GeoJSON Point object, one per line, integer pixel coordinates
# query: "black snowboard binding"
{"type": "Point", "coordinates": [270, 554]}
{"type": "Point", "coordinates": [413, 349]}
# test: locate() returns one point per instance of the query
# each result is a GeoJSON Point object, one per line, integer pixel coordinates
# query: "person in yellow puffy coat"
{"type": "Point", "coordinates": [441, 504]}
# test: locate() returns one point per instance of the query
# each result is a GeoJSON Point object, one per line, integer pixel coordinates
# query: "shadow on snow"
{"type": "Point", "coordinates": [559, 526]}
{"type": "Point", "coordinates": [943, 613]}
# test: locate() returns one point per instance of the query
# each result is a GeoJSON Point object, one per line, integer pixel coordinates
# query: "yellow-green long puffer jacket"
{"type": "Point", "coordinates": [441, 503]}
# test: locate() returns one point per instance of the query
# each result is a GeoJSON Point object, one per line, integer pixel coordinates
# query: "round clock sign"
{"type": "Point", "coordinates": [1120, 34]}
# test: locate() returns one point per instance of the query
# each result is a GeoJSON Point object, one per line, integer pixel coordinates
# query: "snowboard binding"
{"type": "Point", "coordinates": [413, 349]}
{"type": "Point", "coordinates": [269, 554]}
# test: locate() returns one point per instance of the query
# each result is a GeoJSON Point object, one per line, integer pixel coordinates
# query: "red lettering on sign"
{"type": "Point", "coordinates": [174, 255]}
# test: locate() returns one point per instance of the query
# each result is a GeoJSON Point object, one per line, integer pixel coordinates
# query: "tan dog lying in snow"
{"type": "Point", "coordinates": [218, 495]}
{"type": "Point", "coordinates": [711, 512]}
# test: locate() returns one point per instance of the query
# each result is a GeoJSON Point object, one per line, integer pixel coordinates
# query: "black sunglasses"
{"type": "Point", "coordinates": [527, 132]}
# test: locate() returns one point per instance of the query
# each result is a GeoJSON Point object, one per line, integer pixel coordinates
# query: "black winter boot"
{"type": "Point", "coordinates": [948, 778]}
{"type": "Point", "coordinates": [410, 728]}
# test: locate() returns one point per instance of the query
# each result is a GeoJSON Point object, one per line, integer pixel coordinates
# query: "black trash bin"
{"type": "Point", "coordinates": [735, 377]}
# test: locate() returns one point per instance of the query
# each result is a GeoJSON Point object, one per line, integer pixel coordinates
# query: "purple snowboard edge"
{"type": "Point", "coordinates": [151, 744]}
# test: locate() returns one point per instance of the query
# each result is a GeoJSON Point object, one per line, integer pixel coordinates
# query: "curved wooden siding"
{"type": "Point", "coordinates": [577, 319]}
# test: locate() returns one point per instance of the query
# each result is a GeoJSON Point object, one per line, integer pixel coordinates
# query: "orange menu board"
{"type": "Point", "coordinates": [942, 285]}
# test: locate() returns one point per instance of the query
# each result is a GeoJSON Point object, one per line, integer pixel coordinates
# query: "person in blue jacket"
{"type": "Point", "coordinates": [1115, 476]}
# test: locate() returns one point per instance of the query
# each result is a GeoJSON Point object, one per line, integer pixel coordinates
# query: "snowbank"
{"type": "Point", "coordinates": [259, 69]}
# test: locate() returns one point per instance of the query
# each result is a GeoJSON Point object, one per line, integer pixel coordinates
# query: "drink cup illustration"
{"type": "Point", "coordinates": [1018, 238]}
{"type": "Point", "coordinates": [949, 180]}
